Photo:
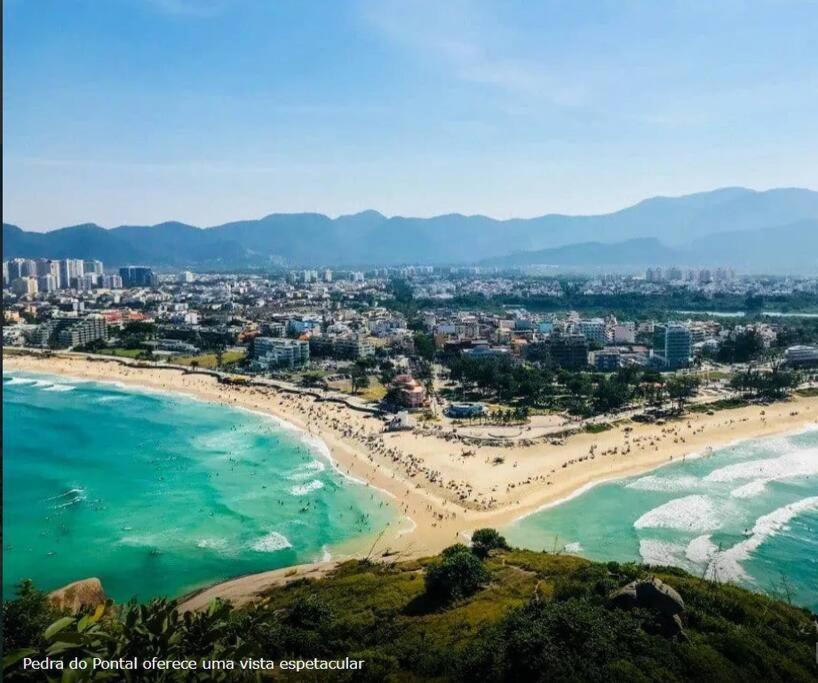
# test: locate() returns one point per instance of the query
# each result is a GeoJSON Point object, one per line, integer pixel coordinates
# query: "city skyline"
{"type": "Point", "coordinates": [142, 112]}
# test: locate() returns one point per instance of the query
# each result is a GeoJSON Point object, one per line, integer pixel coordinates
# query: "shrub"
{"type": "Point", "coordinates": [26, 617]}
{"type": "Point", "coordinates": [484, 540]}
{"type": "Point", "coordinates": [457, 574]}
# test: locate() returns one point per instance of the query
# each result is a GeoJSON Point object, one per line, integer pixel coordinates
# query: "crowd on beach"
{"type": "Point", "coordinates": [444, 480]}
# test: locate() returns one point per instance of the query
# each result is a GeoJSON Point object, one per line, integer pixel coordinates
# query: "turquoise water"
{"type": "Point", "coordinates": [158, 494]}
{"type": "Point", "coordinates": [747, 514]}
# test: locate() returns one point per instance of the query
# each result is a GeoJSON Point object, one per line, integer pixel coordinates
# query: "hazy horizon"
{"type": "Point", "coordinates": [208, 111]}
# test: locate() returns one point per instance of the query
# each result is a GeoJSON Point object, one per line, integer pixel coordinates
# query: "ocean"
{"type": "Point", "coordinates": [159, 494]}
{"type": "Point", "coordinates": [747, 513]}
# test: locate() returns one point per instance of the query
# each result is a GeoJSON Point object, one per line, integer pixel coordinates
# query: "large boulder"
{"type": "Point", "coordinates": [652, 594]}
{"type": "Point", "coordinates": [87, 592]}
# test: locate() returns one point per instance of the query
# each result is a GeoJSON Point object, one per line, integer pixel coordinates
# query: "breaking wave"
{"type": "Point", "coordinates": [654, 482]}
{"type": "Point", "coordinates": [304, 489]}
{"type": "Point", "coordinates": [689, 513]}
{"type": "Point", "coordinates": [726, 565]}
{"type": "Point", "coordinates": [271, 543]}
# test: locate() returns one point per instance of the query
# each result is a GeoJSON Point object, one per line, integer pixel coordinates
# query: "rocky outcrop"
{"type": "Point", "coordinates": [88, 592]}
{"type": "Point", "coordinates": [651, 594]}
{"type": "Point", "coordinates": [655, 595]}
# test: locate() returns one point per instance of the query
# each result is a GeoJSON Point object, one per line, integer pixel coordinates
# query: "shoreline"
{"type": "Point", "coordinates": [688, 456]}
{"type": "Point", "coordinates": [442, 491]}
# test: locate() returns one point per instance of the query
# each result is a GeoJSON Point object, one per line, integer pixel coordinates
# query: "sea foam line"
{"type": "Point", "coordinates": [693, 455]}
{"type": "Point", "coordinates": [727, 564]}
{"type": "Point", "coordinates": [271, 543]}
{"type": "Point", "coordinates": [311, 440]}
{"type": "Point", "coordinates": [688, 513]}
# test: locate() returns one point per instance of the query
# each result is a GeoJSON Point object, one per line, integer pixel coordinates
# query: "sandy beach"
{"type": "Point", "coordinates": [445, 486]}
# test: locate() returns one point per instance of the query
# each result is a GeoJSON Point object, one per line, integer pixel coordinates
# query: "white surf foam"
{"type": "Point", "coordinates": [575, 547]}
{"type": "Point", "coordinates": [726, 565]}
{"type": "Point", "coordinates": [19, 380]}
{"type": "Point", "coordinates": [653, 482]}
{"type": "Point", "coordinates": [212, 543]}
{"type": "Point", "coordinates": [689, 513]}
{"type": "Point", "coordinates": [60, 387]}
{"type": "Point", "coordinates": [750, 489]}
{"type": "Point", "coordinates": [304, 489]}
{"type": "Point", "coordinates": [70, 492]}
{"type": "Point", "coordinates": [701, 549]}
{"type": "Point", "coordinates": [108, 399]}
{"type": "Point", "coordinates": [661, 552]}
{"type": "Point", "coordinates": [797, 463]}
{"type": "Point", "coordinates": [306, 470]}
{"type": "Point", "coordinates": [68, 498]}
{"type": "Point", "coordinates": [271, 543]}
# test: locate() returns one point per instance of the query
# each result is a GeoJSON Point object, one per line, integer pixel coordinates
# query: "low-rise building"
{"type": "Point", "coordinates": [568, 351]}
{"type": "Point", "coordinates": [801, 356]}
{"type": "Point", "coordinates": [607, 360]}
{"type": "Point", "coordinates": [461, 411]}
{"type": "Point", "coordinates": [271, 352]}
{"type": "Point", "coordinates": [351, 346]}
{"type": "Point", "coordinates": [408, 392]}
{"type": "Point", "coordinates": [71, 332]}
{"type": "Point", "coordinates": [593, 330]}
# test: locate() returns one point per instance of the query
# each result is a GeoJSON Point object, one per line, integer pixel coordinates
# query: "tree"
{"type": "Point", "coordinates": [485, 540]}
{"type": "Point", "coordinates": [741, 348]}
{"type": "Point", "coordinates": [611, 393]}
{"type": "Point", "coordinates": [424, 345]}
{"type": "Point", "coordinates": [219, 351]}
{"type": "Point", "coordinates": [312, 378]}
{"type": "Point", "coordinates": [456, 575]}
{"type": "Point", "coordinates": [26, 617]}
{"type": "Point", "coordinates": [682, 387]}
{"type": "Point", "coordinates": [767, 385]}
{"type": "Point", "coordinates": [359, 379]}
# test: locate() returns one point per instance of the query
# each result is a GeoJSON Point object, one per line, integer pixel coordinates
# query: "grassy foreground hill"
{"type": "Point", "coordinates": [497, 614]}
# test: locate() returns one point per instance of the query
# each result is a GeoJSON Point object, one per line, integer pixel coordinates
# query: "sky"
{"type": "Point", "coordinates": [206, 111]}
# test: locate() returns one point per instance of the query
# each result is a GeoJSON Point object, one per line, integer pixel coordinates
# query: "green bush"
{"type": "Point", "coordinates": [456, 575]}
{"type": "Point", "coordinates": [26, 617]}
{"type": "Point", "coordinates": [485, 540]}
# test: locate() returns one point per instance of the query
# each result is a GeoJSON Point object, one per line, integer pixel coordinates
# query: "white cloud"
{"type": "Point", "coordinates": [473, 46]}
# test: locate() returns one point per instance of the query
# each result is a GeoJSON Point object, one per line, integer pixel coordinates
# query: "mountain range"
{"type": "Point", "coordinates": [770, 231]}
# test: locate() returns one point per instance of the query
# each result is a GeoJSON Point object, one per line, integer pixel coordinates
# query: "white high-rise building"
{"type": "Point", "coordinates": [47, 283]}
{"type": "Point", "coordinates": [93, 266]}
{"type": "Point", "coordinates": [111, 281]}
{"type": "Point", "coordinates": [71, 270]}
{"type": "Point", "coordinates": [24, 286]}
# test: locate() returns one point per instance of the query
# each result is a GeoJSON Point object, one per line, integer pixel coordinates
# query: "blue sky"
{"type": "Point", "coordinates": [139, 111]}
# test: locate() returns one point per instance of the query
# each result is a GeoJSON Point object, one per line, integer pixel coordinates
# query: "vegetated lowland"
{"type": "Point", "coordinates": [488, 613]}
{"type": "Point", "coordinates": [635, 305]}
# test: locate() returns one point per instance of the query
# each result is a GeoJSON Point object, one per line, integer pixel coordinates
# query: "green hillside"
{"type": "Point", "coordinates": [514, 615]}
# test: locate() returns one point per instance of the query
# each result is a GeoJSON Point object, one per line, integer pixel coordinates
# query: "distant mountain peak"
{"type": "Point", "coordinates": [651, 229]}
